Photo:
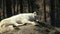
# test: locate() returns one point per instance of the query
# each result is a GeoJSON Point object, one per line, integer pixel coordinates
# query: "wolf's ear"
{"type": "Point", "coordinates": [34, 12]}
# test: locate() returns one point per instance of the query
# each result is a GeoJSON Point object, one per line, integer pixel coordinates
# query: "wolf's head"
{"type": "Point", "coordinates": [32, 16]}
{"type": "Point", "coordinates": [35, 16]}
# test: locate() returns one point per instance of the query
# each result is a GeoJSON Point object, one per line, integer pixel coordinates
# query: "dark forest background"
{"type": "Point", "coordinates": [48, 10]}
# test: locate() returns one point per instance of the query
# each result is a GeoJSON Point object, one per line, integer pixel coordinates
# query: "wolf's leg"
{"type": "Point", "coordinates": [33, 23]}
{"type": "Point", "coordinates": [24, 21]}
{"type": "Point", "coordinates": [27, 21]}
{"type": "Point", "coordinates": [13, 24]}
{"type": "Point", "coordinates": [16, 24]}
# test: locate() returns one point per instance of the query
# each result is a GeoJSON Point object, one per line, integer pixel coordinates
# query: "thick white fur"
{"type": "Point", "coordinates": [6, 29]}
{"type": "Point", "coordinates": [21, 18]}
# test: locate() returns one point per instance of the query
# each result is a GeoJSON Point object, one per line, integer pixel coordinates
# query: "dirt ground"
{"type": "Point", "coordinates": [30, 29]}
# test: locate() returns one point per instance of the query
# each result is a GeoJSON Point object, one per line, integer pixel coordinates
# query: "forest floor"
{"type": "Point", "coordinates": [30, 29]}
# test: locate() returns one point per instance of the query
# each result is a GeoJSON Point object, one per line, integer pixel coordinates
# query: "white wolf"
{"type": "Point", "coordinates": [21, 18]}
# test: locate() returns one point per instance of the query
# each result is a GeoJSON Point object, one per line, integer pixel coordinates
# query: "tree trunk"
{"type": "Point", "coordinates": [21, 6]}
{"type": "Point", "coordinates": [52, 13]}
{"type": "Point", "coordinates": [8, 8]}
